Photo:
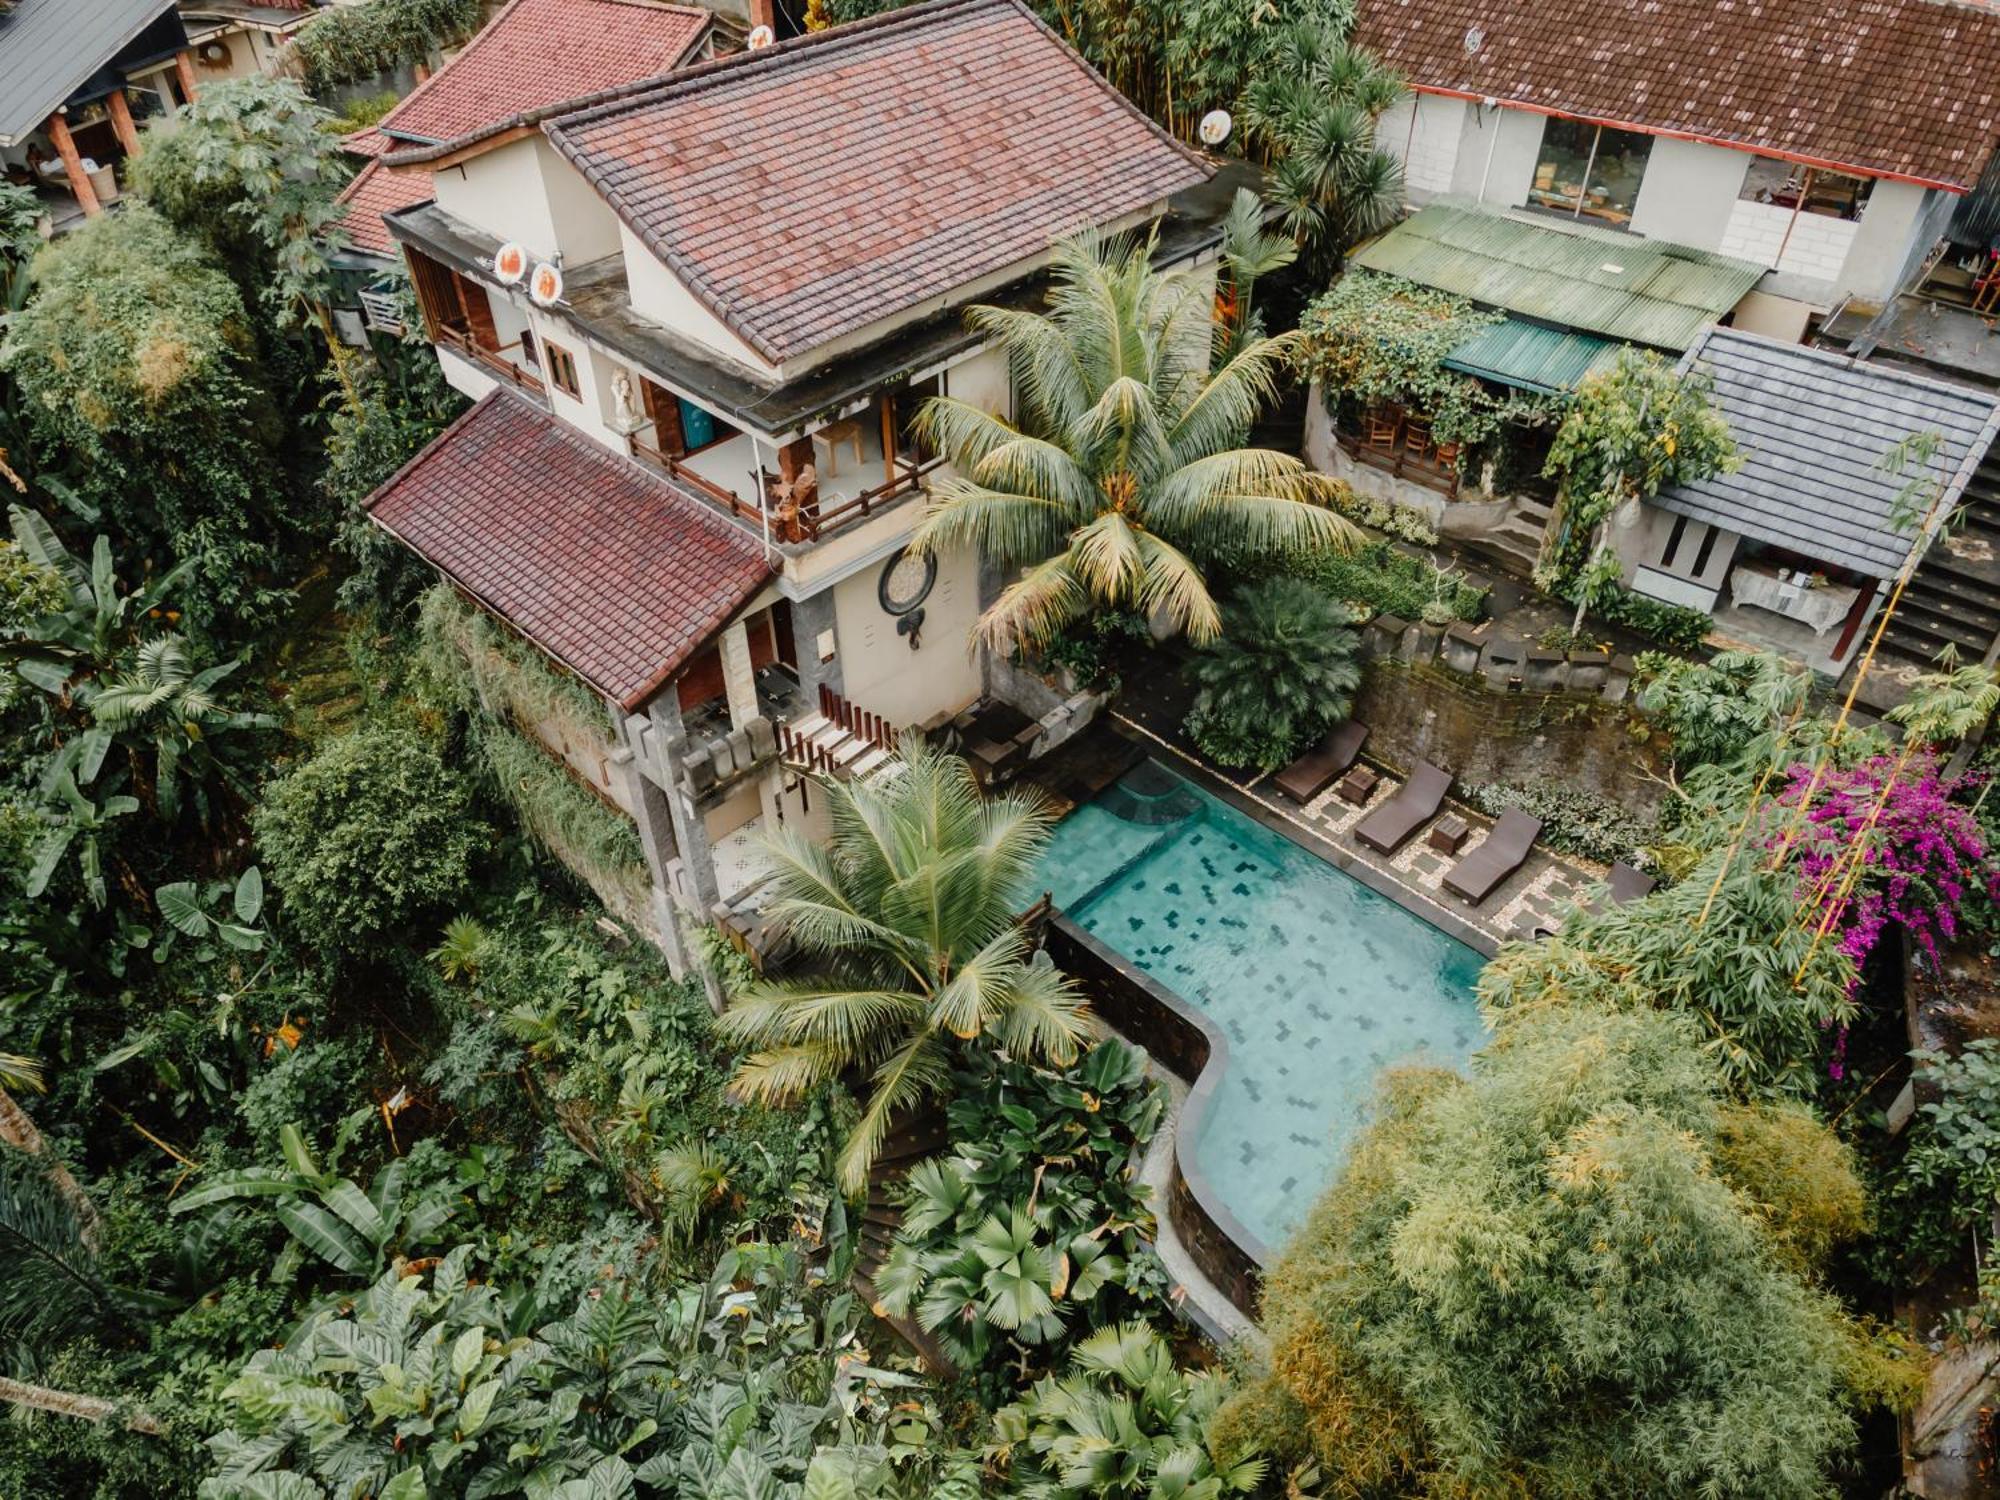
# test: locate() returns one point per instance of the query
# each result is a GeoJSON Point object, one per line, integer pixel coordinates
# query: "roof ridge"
{"type": "Point", "coordinates": [471, 44]}
{"type": "Point", "coordinates": [766, 59]}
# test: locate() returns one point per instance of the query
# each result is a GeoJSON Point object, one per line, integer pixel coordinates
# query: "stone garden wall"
{"type": "Point", "coordinates": [1494, 709]}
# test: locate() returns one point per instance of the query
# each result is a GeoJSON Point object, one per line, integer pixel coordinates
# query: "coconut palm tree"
{"type": "Point", "coordinates": [1125, 477]}
{"type": "Point", "coordinates": [910, 906]}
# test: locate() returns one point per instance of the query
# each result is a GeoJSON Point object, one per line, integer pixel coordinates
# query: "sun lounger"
{"type": "Point", "coordinates": [1628, 884]}
{"type": "Point", "coordinates": [1316, 770]}
{"type": "Point", "coordinates": [1499, 855]}
{"type": "Point", "coordinates": [1389, 827]}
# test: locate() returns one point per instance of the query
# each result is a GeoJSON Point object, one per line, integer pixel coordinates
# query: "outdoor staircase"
{"type": "Point", "coordinates": [1954, 596]}
{"type": "Point", "coordinates": [837, 739]}
{"type": "Point", "coordinates": [1518, 539]}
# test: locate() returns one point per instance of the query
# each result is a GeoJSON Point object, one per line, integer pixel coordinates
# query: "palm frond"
{"type": "Point", "coordinates": [1035, 607]}
{"type": "Point", "coordinates": [1174, 589]}
{"type": "Point", "coordinates": [917, 1071]}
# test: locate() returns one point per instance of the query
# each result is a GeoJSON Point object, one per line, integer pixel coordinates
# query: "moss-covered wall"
{"type": "Point", "coordinates": [1483, 734]}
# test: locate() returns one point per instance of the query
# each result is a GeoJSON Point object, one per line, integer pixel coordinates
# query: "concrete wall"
{"type": "Point", "coordinates": [660, 295]}
{"type": "Point", "coordinates": [1643, 544]}
{"type": "Point", "coordinates": [1508, 139]}
{"type": "Point", "coordinates": [585, 224]}
{"type": "Point", "coordinates": [1890, 238]}
{"type": "Point", "coordinates": [880, 671]}
{"type": "Point", "coordinates": [982, 381]}
{"type": "Point", "coordinates": [1423, 132]}
{"type": "Point", "coordinates": [1689, 192]}
{"type": "Point", "coordinates": [501, 192]}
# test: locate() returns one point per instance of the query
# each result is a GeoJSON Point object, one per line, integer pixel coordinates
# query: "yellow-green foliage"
{"type": "Point", "coordinates": [1544, 1280]}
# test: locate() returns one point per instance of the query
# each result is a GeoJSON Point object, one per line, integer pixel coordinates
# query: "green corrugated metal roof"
{"type": "Point", "coordinates": [1598, 281]}
{"type": "Point", "coordinates": [1531, 357]}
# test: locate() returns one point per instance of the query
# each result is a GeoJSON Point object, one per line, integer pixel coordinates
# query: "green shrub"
{"type": "Point", "coordinates": [1404, 521]}
{"type": "Point", "coordinates": [346, 43]}
{"type": "Point", "coordinates": [1673, 625]}
{"type": "Point", "coordinates": [1284, 671]}
{"type": "Point", "coordinates": [1395, 583]}
{"type": "Point", "coordinates": [368, 836]}
{"type": "Point", "coordinates": [1574, 821]}
{"type": "Point", "coordinates": [1716, 710]}
{"type": "Point", "coordinates": [1541, 1280]}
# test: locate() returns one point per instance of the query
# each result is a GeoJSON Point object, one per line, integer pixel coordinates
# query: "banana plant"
{"type": "Point", "coordinates": [75, 822]}
{"type": "Point", "coordinates": [330, 1216]}
{"type": "Point", "coordinates": [96, 621]}
{"type": "Point", "coordinates": [184, 906]}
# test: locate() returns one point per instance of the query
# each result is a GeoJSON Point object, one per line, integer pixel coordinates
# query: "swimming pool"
{"type": "Point", "coordinates": [1317, 981]}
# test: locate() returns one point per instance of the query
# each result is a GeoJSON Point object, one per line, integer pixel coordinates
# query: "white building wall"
{"type": "Point", "coordinates": [881, 673]}
{"type": "Point", "coordinates": [658, 294]}
{"type": "Point", "coordinates": [501, 192]}
{"type": "Point", "coordinates": [585, 224]}
{"type": "Point", "coordinates": [1897, 225]}
{"type": "Point", "coordinates": [1689, 193]}
{"type": "Point", "coordinates": [1497, 149]}
{"type": "Point", "coordinates": [982, 381]}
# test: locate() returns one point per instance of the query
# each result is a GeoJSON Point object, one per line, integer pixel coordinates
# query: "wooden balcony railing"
{"type": "Point", "coordinates": [1401, 443]}
{"type": "Point", "coordinates": [789, 522]}
{"type": "Point", "coordinates": [494, 360]}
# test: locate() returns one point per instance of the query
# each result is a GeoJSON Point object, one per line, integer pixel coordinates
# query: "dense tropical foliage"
{"type": "Point", "coordinates": [1283, 671]}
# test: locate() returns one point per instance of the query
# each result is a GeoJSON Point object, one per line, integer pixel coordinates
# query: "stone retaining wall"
{"type": "Point", "coordinates": [1494, 709]}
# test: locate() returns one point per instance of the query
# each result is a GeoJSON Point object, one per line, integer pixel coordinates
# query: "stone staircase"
{"type": "Point", "coordinates": [837, 739]}
{"type": "Point", "coordinates": [1517, 540]}
{"type": "Point", "coordinates": [1954, 597]}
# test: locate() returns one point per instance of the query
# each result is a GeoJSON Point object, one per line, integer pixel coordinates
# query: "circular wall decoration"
{"type": "Point", "coordinates": [545, 286]}
{"type": "Point", "coordinates": [907, 580]}
{"type": "Point", "coordinates": [510, 262]}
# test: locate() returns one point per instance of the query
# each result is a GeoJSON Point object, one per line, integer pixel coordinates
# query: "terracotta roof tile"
{"type": "Point", "coordinates": [540, 52]}
{"type": "Point", "coordinates": [606, 566]}
{"type": "Point", "coordinates": [368, 142]}
{"type": "Point", "coordinates": [812, 188]}
{"type": "Point", "coordinates": [374, 192]}
{"type": "Point", "coordinates": [1906, 88]}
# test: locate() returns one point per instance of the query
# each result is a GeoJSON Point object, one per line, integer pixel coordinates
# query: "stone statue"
{"type": "Point", "coordinates": [624, 403]}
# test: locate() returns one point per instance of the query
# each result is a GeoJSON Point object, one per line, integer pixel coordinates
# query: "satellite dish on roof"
{"type": "Point", "coordinates": [546, 285]}
{"type": "Point", "coordinates": [1215, 127]}
{"type": "Point", "coordinates": [760, 37]}
{"type": "Point", "coordinates": [510, 263]}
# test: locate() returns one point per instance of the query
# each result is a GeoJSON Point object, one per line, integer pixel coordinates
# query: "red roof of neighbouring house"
{"type": "Point", "coordinates": [534, 54]}
{"type": "Point", "coordinates": [1897, 88]}
{"type": "Point", "coordinates": [540, 52]}
{"type": "Point", "coordinates": [374, 192]}
{"type": "Point", "coordinates": [809, 189]}
{"type": "Point", "coordinates": [611, 569]}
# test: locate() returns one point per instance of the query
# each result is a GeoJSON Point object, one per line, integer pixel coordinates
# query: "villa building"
{"type": "Point", "coordinates": [77, 81]}
{"type": "Point", "coordinates": [242, 38]}
{"type": "Point", "coordinates": [1828, 144]}
{"type": "Point", "coordinates": [698, 315]}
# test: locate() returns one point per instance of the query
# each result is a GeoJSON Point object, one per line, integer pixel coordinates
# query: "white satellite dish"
{"type": "Point", "coordinates": [510, 262]}
{"type": "Point", "coordinates": [1215, 127]}
{"type": "Point", "coordinates": [760, 38]}
{"type": "Point", "coordinates": [545, 287]}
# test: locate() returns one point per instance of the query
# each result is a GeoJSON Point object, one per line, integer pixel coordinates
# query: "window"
{"type": "Point", "coordinates": [1589, 171]}
{"type": "Point", "coordinates": [528, 348]}
{"type": "Point", "coordinates": [1805, 190]}
{"type": "Point", "coordinates": [562, 369]}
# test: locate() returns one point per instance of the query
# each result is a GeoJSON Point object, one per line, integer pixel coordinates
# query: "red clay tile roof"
{"type": "Point", "coordinates": [1902, 88]}
{"type": "Point", "coordinates": [368, 142]}
{"type": "Point", "coordinates": [812, 188]}
{"type": "Point", "coordinates": [540, 52]}
{"type": "Point", "coordinates": [603, 564]}
{"type": "Point", "coordinates": [374, 192]}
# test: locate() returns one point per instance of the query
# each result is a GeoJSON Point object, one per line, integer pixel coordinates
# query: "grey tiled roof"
{"type": "Point", "coordinates": [49, 48]}
{"type": "Point", "coordinates": [1812, 428]}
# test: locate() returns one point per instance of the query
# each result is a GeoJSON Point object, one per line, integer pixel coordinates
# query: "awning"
{"type": "Point", "coordinates": [1530, 357]}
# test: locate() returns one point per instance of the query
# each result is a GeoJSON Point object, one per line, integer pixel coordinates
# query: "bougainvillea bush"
{"type": "Point", "coordinates": [1925, 859]}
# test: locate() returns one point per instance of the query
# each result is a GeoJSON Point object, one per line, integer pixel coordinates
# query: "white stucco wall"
{"type": "Point", "coordinates": [1897, 226]}
{"type": "Point", "coordinates": [1510, 139]}
{"type": "Point", "coordinates": [1689, 192]}
{"type": "Point", "coordinates": [982, 381]}
{"type": "Point", "coordinates": [585, 224]}
{"type": "Point", "coordinates": [658, 294]}
{"type": "Point", "coordinates": [881, 673]}
{"type": "Point", "coordinates": [501, 193]}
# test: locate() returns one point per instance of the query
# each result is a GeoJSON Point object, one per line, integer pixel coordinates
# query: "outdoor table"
{"type": "Point", "coordinates": [1449, 833]}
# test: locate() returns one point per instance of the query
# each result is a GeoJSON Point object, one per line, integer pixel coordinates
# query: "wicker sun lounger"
{"type": "Point", "coordinates": [1389, 827]}
{"type": "Point", "coordinates": [1316, 770]}
{"type": "Point", "coordinates": [1499, 855]}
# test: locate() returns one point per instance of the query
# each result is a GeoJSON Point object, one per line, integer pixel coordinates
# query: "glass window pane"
{"type": "Point", "coordinates": [1615, 176]}
{"type": "Point", "coordinates": [1559, 172]}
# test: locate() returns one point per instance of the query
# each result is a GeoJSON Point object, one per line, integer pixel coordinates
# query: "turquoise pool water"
{"type": "Point", "coordinates": [1318, 982]}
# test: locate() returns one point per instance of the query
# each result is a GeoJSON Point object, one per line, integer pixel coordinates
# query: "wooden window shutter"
{"type": "Point", "coordinates": [437, 292]}
{"type": "Point", "coordinates": [702, 680]}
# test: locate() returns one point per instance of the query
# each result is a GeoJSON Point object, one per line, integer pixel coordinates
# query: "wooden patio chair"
{"type": "Point", "coordinates": [1417, 436]}
{"type": "Point", "coordinates": [1384, 425]}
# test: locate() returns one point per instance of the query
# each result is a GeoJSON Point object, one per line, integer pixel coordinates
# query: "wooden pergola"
{"type": "Point", "coordinates": [56, 127]}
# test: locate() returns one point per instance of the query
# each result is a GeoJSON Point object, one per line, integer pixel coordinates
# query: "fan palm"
{"type": "Point", "coordinates": [164, 703]}
{"type": "Point", "coordinates": [910, 904]}
{"type": "Point", "coordinates": [1312, 110]}
{"type": "Point", "coordinates": [1286, 670]}
{"type": "Point", "coordinates": [1125, 474]}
